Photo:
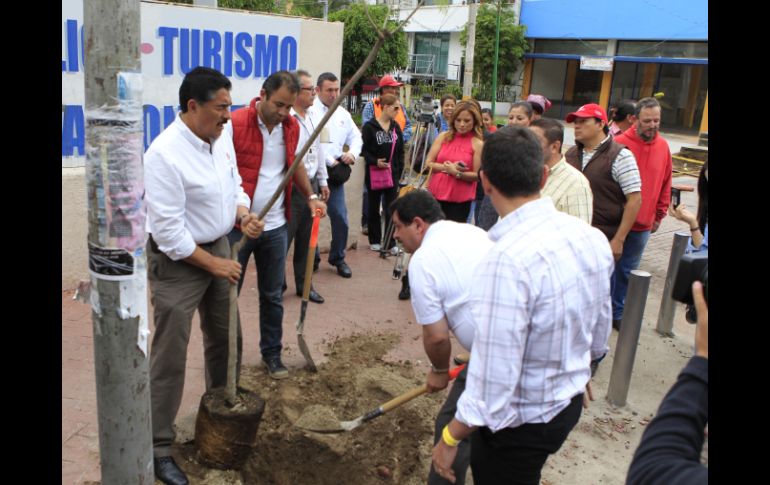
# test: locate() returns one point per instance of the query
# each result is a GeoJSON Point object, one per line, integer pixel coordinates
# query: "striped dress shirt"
{"type": "Point", "coordinates": [570, 191]}
{"type": "Point", "coordinates": [541, 303]}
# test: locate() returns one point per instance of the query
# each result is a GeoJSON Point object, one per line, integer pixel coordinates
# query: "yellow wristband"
{"type": "Point", "coordinates": [448, 438]}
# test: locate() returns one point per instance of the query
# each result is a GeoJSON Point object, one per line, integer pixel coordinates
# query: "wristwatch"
{"type": "Point", "coordinates": [313, 197]}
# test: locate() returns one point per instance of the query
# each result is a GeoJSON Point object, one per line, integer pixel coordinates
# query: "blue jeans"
{"type": "Point", "coordinates": [269, 251]}
{"type": "Point", "coordinates": [338, 218]}
{"type": "Point", "coordinates": [633, 248]}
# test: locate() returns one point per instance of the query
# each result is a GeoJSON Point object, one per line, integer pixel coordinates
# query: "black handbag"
{"type": "Point", "coordinates": [338, 174]}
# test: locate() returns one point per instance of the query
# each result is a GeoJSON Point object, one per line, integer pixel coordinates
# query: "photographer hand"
{"type": "Point", "coordinates": [681, 213]}
{"type": "Point", "coordinates": [702, 329]}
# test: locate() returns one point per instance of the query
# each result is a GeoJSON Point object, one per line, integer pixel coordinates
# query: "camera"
{"type": "Point", "coordinates": [692, 267]}
{"type": "Point", "coordinates": [425, 109]}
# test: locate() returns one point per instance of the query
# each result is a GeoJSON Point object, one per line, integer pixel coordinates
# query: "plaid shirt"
{"type": "Point", "coordinates": [541, 302]}
{"type": "Point", "coordinates": [570, 191]}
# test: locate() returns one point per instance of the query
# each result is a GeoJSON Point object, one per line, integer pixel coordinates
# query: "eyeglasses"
{"type": "Point", "coordinates": [307, 89]}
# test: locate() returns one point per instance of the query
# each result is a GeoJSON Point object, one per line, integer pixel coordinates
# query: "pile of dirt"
{"type": "Point", "coordinates": [393, 448]}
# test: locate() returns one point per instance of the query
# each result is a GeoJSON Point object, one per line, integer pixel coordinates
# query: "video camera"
{"type": "Point", "coordinates": [425, 110]}
{"type": "Point", "coordinates": [692, 267]}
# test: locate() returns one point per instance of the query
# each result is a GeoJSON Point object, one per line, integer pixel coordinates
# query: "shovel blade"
{"type": "Point", "coordinates": [306, 353]}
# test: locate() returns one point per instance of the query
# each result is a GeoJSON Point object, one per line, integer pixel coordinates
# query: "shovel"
{"type": "Point", "coordinates": [306, 295]}
{"type": "Point", "coordinates": [384, 408]}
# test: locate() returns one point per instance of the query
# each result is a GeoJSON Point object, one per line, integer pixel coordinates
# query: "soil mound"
{"type": "Point", "coordinates": [392, 448]}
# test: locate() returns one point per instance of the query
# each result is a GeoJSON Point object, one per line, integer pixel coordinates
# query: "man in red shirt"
{"type": "Point", "coordinates": [653, 157]}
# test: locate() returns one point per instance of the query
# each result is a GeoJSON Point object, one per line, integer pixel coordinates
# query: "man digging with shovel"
{"type": "Point", "coordinates": [444, 257]}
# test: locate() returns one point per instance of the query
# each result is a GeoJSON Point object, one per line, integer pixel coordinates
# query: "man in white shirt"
{"type": "Point", "coordinates": [301, 221]}
{"type": "Point", "coordinates": [341, 131]}
{"type": "Point", "coordinates": [566, 186]}
{"type": "Point", "coordinates": [265, 137]}
{"type": "Point", "coordinates": [445, 255]}
{"type": "Point", "coordinates": [541, 303]}
{"type": "Point", "coordinates": [194, 197]}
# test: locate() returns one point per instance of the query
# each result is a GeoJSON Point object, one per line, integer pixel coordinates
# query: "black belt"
{"type": "Point", "coordinates": [155, 248]}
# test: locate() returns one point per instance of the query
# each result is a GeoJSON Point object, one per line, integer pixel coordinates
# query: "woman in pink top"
{"type": "Point", "coordinates": [455, 158]}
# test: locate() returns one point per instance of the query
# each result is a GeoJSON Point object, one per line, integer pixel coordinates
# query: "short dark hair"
{"type": "Point", "coordinates": [417, 203]}
{"type": "Point", "coordinates": [445, 97]}
{"type": "Point", "coordinates": [512, 161]}
{"type": "Point", "coordinates": [302, 73]}
{"type": "Point", "coordinates": [552, 129]}
{"type": "Point", "coordinates": [201, 84]}
{"type": "Point", "coordinates": [279, 79]}
{"type": "Point", "coordinates": [525, 105]}
{"type": "Point", "coordinates": [645, 103]}
{"type": "Point", "coordinates": [623, 108]}
{"type": "Point", "coordinates": [326, 76]}
{"type": "Point", "coordinates": [487, 111]}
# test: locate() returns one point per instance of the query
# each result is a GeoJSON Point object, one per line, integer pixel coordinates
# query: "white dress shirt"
{"type": "Point", "coordinates": [192, 189]}
{"type": "Point", "coordinates": [541, 302]}
{"type": "Point", "coordinates": [314, 158]}
{"type": "Point", "coordinates": [342, 131]}
{"type": "Point", "coordinates": [271, 173]}
{"type": "Point", "coordinates": [440, 274]}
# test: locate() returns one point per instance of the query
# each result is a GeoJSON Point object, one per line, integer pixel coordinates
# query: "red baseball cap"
{"type": "Point", "coordinates": [387, 80]}
{"type": "Point", "coordinates": [591, 110]}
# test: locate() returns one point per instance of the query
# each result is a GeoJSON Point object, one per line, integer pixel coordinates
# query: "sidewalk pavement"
{"type": "Point", "coordinates": [367, 302]}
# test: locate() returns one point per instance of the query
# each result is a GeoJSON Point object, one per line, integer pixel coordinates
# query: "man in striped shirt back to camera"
{"type": "Point", "coordinates": [566, 186]}
{"type": "Point", "coordinates": [541, 303]}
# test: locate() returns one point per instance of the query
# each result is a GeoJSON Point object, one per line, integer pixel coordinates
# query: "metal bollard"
{"type": "Point", "coordinates": [667, 304]}
{"type": "Point", "coordinates": [628, 338]}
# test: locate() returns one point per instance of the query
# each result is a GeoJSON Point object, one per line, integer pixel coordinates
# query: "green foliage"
{"type": "Point", "coordinates": [360, 36]}
{"type": "Point", "coordinates": [268, 6]}
{"type": "Point", "coordinates": [454, 89]}
{"type": "Point", "coordinates": [513, 45]}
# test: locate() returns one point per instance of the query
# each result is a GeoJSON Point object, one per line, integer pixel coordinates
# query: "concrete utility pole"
{"type": "Point", "coordinates": [116, 234]}
{"type": "Point", "coordinates": [470, 46]}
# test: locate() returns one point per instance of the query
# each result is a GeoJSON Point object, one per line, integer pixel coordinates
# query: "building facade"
{"type": "Point", "coordinates": [606, 50]}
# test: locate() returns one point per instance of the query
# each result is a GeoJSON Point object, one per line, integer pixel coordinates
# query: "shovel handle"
{"type": "Point", "coordinates": [417, 391]}
{"type": "Point", "coordinates": [309, 262]}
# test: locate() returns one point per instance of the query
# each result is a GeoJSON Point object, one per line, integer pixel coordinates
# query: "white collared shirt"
{"type": "Point", "coordinates": [271, 172]}
{"type": "Point", "coordinates": [314, 158]}
{"type": "Point", "coordinates": [192, 189]}
{"type": "Point", "coordinates": [541, 302]}
{"type": "Point", "coordinates": [440, 274]}
{"type": "Point", "coordinates": [342, 131]}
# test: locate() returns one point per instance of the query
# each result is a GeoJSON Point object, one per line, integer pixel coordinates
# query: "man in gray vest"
{"type": "Point", "coordinates": [612, 172]}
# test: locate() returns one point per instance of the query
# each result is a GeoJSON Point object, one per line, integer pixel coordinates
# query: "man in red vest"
{"type": "Point", "coordinates": [265, 137]}
{"type": "Point", "coordinates": [388, 85]}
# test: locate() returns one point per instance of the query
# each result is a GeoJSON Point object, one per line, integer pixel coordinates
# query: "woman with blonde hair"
{"type": "Point", "coordinates": [455, 158]}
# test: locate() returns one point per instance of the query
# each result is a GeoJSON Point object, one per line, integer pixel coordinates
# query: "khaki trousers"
{"type": "Point", "coordinates": [177, 290]}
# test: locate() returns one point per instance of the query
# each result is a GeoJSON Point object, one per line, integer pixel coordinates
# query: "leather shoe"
{"type": "Point", "coordinates": [616, 325]}
{"type": "Point", "coordinates": [404, 294]}
{"type": "Point", "coordinates": [167, 471]}
{"type": "Point", "coordinates": [344, 270]}
{"type": "Point", "coordinates": [313, 296]}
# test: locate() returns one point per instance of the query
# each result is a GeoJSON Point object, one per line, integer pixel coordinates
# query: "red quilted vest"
{"type": "Point", "coordinates": [247, 139]}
